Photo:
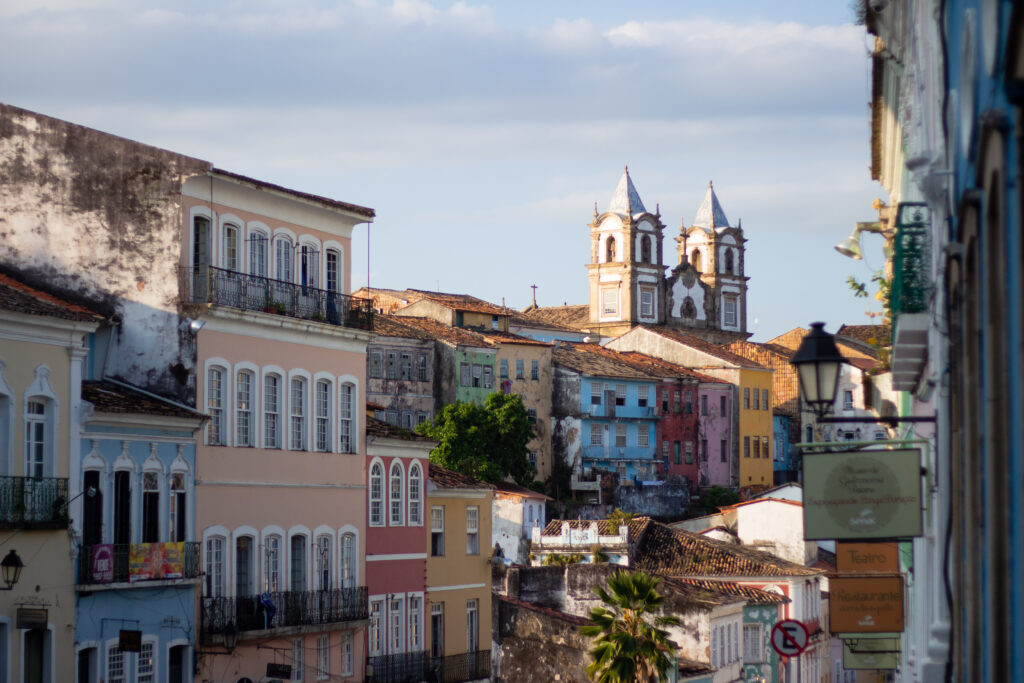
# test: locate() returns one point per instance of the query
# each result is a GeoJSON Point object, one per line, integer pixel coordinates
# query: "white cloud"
{"type": "Point", "coordinates": [575, 35]}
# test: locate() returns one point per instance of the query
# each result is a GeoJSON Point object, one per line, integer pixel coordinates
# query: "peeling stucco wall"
{"type": "Point", "coordinates": [536, 646]}
{"type": "Point", "coordinates": [98, 218]}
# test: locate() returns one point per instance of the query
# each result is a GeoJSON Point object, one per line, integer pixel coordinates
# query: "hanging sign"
{"type": "Point", "coordinates": [862, 495]}
{"type": "Point", "coordinates": [867, 558]}
{"type": "Point", "coordinates": [854, 659]}
{"type": "Point", "coordinates": [865, 604]}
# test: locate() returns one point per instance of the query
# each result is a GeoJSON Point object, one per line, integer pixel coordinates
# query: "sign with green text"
{"type": "Point", "coordinates": [862, 495]}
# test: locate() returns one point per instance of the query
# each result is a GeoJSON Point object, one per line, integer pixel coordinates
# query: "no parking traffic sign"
{"type": "Point", "coordinates": [789, 638]}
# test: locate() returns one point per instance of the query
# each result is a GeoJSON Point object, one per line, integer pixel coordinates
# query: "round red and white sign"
{"type": "Point", "coordinates": [789, 638]}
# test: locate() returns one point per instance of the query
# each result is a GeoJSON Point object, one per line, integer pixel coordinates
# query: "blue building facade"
{"type": "Point", "coordinates": [783, 467]}
{"type": "Point", "coordinates": [138, 565]}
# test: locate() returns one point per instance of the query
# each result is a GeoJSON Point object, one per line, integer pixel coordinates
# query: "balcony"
{"type": "Point", "coordinates": [416, 667]}
{"type": "Point", "coordinates": [210, 285]}
{"type": "Point", "coordinates": [911, 294]}
{"type": "Point", "coordinates": [283, 609]}
{"type": "Point", "coordinates": [138, 562]}
{"type": "Point", "coordinates": [613, 453]}
{"type": "Point", "coordinates": [33, 503]}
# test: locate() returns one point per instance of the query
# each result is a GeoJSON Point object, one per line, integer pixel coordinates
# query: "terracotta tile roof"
{"type": "Point", "coordinates": [453, 335]}
{"type": "Point", "coordinates": [397, 326]}
{"type": "Point", "coordinates": [753, 596]}
{"type": "Point", "coordinates": [375, 427]}
{"type": "Point", "coordinates": [761, 499]}
{"type": "Point", "coordinates": [510, 488]}
{"type": "Point", "coordinates": [590, 359]}
{"type": "Point", "coordinates": [604, 526]}
{"type": "Point", "coordinates": [657, 366]}
{"type": "Point", "coordinates": [522, 604]}
{"type": "Point", "coordinates": [461, 302]}
{"type": "Point", "coordinates": [859, 349]}
{"type": "Point", "coordinates": [689, 667]}
{"type": "Point", "coordinates": [450, 479]}
{"type": "Point", "coordinates": [674, 552]}
{"type": "Point", "coordinates": [575, 317]}
{"type": "Point", "coordinates": [719, 352]}
{"type": "Point", "coordinates": [373, 406]}
{"type": "Point", "coordinates": [116, 397]}
{"type": "Point", "coordinates": [496, 337]}
{"type": "Point", "coordinates": [18, 297]}
{"type": "Point", "coordinates": [866, 334]}
{"type": "Point", "coordinates": [698, 594]}
{"type": "Point", "coordinates": [324, 201]}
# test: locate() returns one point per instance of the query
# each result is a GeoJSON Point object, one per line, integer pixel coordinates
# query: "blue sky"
{"type": "Point", "coordinates": [483, 133]}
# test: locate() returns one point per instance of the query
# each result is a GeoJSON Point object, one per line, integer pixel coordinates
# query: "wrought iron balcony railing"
{"type": "Point", "coordinates": [911, 276]}
{"type": "Point", "coordinates": [417, 667]}
{"type": "Point", "coordinates": [33, 502]}
{"type": "Point", "coordinates": [283, 608]}
{"type": "Point", "coordinates": [208, 284]}
{"type": "Point", "coordinates": [138, 562]}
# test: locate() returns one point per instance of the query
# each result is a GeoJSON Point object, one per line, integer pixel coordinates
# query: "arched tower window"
{"type": "Point", "coordinates": [645, 249]}
{"type": "Point", "coordinates": [610, 250]}
{"type": "Point", "coordinates": [696, 261]}
{"type": "Point", "coordinates": [728, 262]}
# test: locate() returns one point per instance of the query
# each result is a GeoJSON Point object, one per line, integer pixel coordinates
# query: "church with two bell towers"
{"type": "Point", "coordinates": [704, 293]}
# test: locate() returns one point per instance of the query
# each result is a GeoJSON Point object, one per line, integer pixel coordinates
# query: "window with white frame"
{"type": "Point", "coordinates": [596, 393]}
{"type": "Point", "coordinates": [643, 436]}
{"type": "Point", "coordinates": [177, 515]}
{"type": "Point", "coordinates": [395, 625]}
{"type": "Point", "coordinates": [422, 367]}
{"type": "Point", "coordinates": [520, 368]}
{"type": "Point", "coordinates": [323, 657]}
{"type": "Point", "coordinates": [347, 654]}
{"type": "Point", "coordinates": [322, 407]}
{"type": "Point", "coordinates": [478, 375]}
{"type": "Point", "coordinates": [620, 435]}
{"type": "Point", "coordinates": [215, 435]}
{"type": "Point", "coordinates": [472, 625]}
{"type": "Point", "coordinates": [298, 414]}
{"type": "Point", "coordinates": [488, 377]}
{"type": "Point", "coordinates": [272, 564]}
{"type": "Point", "coordinates": [298, 563]}
{"type": "Point", "coordinates": [847, 399]}
{"type": "Point", "coordinates": [415, 623]}
{"type": "Point", "coordinates": [272, 411]}
{"type": "Point", "coordinates": [376, 644]}
{"type": "Point", "coordinates": [151, 506]}
{"type": "Point", "coordinates": [348, 561]}
{"type": "Point", "coordinates": [415, 495]}
{"type": "Point", "coordinates": [284, 259]}
{"type": "Point", "coordinates": [609, 301]}
{"type": "Point", "coordinates": [258, 254]}
{"type": "Point", "coordinates": [35, 438]}
{"type": "Point", "coordinates": [377, 494]}
{"type": "Point", "coordinates": [646, 302]}
{"type": "Point", "coordinates": [145, 666]}
{"type": "Point", "coordinates": [376, 364]}
{"type": "Point", "coordinates": [243, 408]}
{"type": "Point", "coordinates": [503, 368]}
{"type": "Point", "coordinates": [436, 629]}
{"type": "Point", "coordinates": [115, 665]}
{"type": "Point", "coordinates": [730, 310]}
{"type": "Point", "coordinates": [472, 530]}
{"type": "Point", "coordinates": [215, 566]}
{"type": "Point", "coordinates": [596, 434]}
{"type": "Point", "coordinates": [309, 266]}
{"type": "Point", "coordinates": [534, 369]}
{"type": "Point", "coordinates": [298, 659]}
{"type": "Point", "coordinates": [322, 558]}
{"type": "Point", "coordinates": [437, 531]}
{"type": "Point", "coordinates": [333, 268]}
{"type": "Point", "coordinates": [231, 247]}
{"type": "Point", "coordinates": [346, 404]}
{"type": "Point", "coordinates": [643, 395]}
{"type": "Point", "coordinates": [395, 491]}
{"type": "Point", "coordinates": [620, 394]}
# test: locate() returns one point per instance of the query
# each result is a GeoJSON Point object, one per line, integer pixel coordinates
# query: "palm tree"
{"type": "Point", "coordinates": [630, 645]}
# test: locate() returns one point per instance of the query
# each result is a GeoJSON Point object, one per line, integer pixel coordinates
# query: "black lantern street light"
{"type": "Point", "coordinates": [817, 364]}
{"type": "Point", "coordinates": [11, 567]}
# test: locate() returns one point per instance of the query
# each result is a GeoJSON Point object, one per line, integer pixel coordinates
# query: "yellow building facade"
{"type": "Point", "coordinates": [756, 428]}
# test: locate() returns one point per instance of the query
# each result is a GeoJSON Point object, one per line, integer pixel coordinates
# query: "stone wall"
{"type": "Point", "coordinates": [538, 645]}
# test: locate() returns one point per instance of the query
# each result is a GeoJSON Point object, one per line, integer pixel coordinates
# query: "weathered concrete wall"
{"type": "Point", "coordinates": [664, 500]}
{"type": "Point", "coordinates": [536, 646]}
{"type": "Point", "coordinates": [98, 217]}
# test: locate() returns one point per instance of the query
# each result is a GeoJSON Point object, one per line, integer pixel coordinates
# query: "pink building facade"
{"type": "Point", "coordinates": [280, 370]}
{"type": "Point", "coordinates": [715, 433]}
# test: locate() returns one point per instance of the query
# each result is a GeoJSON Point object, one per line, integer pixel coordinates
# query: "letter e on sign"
{"type": "Point", "coordinates": [789, 638]}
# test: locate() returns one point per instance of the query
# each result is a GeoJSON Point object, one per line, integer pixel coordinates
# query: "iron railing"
{"type": "Point", "coordinates": [911, 276]}
{"type": "Point", "coordinates": [417, 667]}
{"type": "Point", "coordinates": [284, 608]}
{"type": "Point", "coordinates": [33, 502]}
{"type": "Point", "coordinates": [137, 562]}
{"type": "Point", "coordinates": [208, 284]}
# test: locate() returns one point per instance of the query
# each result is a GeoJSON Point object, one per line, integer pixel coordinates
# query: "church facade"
{"type": "Point", "coordinates": [703, 293]}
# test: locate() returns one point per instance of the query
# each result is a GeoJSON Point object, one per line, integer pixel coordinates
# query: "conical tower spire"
{"type": "Point", "coordinates": [626, 200]}
{"type": "Point", "coordinates": [710, 215]}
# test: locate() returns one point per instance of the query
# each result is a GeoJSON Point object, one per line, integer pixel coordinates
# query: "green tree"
{"type": "Point", "coordinates": [630, 643]}
{"type": "Point", "coordinates": [487, 442]}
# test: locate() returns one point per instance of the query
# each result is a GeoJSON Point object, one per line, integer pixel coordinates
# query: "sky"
{"type": "Point", "coordinates": [483, 133]}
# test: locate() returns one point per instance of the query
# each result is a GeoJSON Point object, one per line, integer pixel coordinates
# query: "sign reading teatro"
{"type": "Point", "coordinates": [862, 495]}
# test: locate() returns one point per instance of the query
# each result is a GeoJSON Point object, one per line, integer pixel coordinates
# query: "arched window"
{"type": "Point", "coordinates": [151, 477]}
{"type": "Point", "coordinates": [689, 309]}
{"type": "Point", "coordinates": [272, 411]}
{"type": "Point", "coordinates": [415, 495]}
{"type": "Point", "coordinates": [298, 401]}
{"type": "Point", "coordinates": [610, 250]}
{"type": "Point", "coordinates": [645, 249]}
{"type": "Point", "coordinates": [215, 566]}
{"type": "Point", "coordinates": [377, 495]}
{"type": "Point", "coordinates": [245, 569]}
{"type": "Point", "coordinates": [37, 445]}
{"type": "Point", "coordinates": [272, 563]}
{"type": "Point", "coordinates": [200, 241]}
{"type": "Point", "coordinates": [177, 513]}
{"type": "Point", "coordinates": [348, 561]}
{"type": "Point", "coordinates": [333, 270]}
{"type": "Point", "coordinates": [6, 418]}
{"type": "Point", "coordinates": [231, 241]}
{"type": "Point", "coordinates": [258, 254]}
{"type": "Point", "coordinates": [697, 261]}
{"type": "Point", "coordinates": [728, 262]}
{"type": "Point", "coordinates": [322, 406]}
{"type": "Point", "coordinates": [309, 266]}
{"type": "Point", "coordinates": [297, 568]}
{"type": "Point", "coordinates": [283, 259]}
{"type": "Point", "coordinates": [245, 387]}
{"type": "Point", "coordinates": [395, 494]}
{"type": "Point", "coordinates": [323, 562]}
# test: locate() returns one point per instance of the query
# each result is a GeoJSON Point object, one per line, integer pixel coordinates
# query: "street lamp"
{"type": "Point", "coordinates": [11, 566]}
{"type": "Point", "coordinates": [817, 364]}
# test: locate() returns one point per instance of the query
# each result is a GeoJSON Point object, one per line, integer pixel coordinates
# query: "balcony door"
{"type": "Point", "coordinates": [245, 583]}
{"type": "Point", "coordinates": [92, 510]}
